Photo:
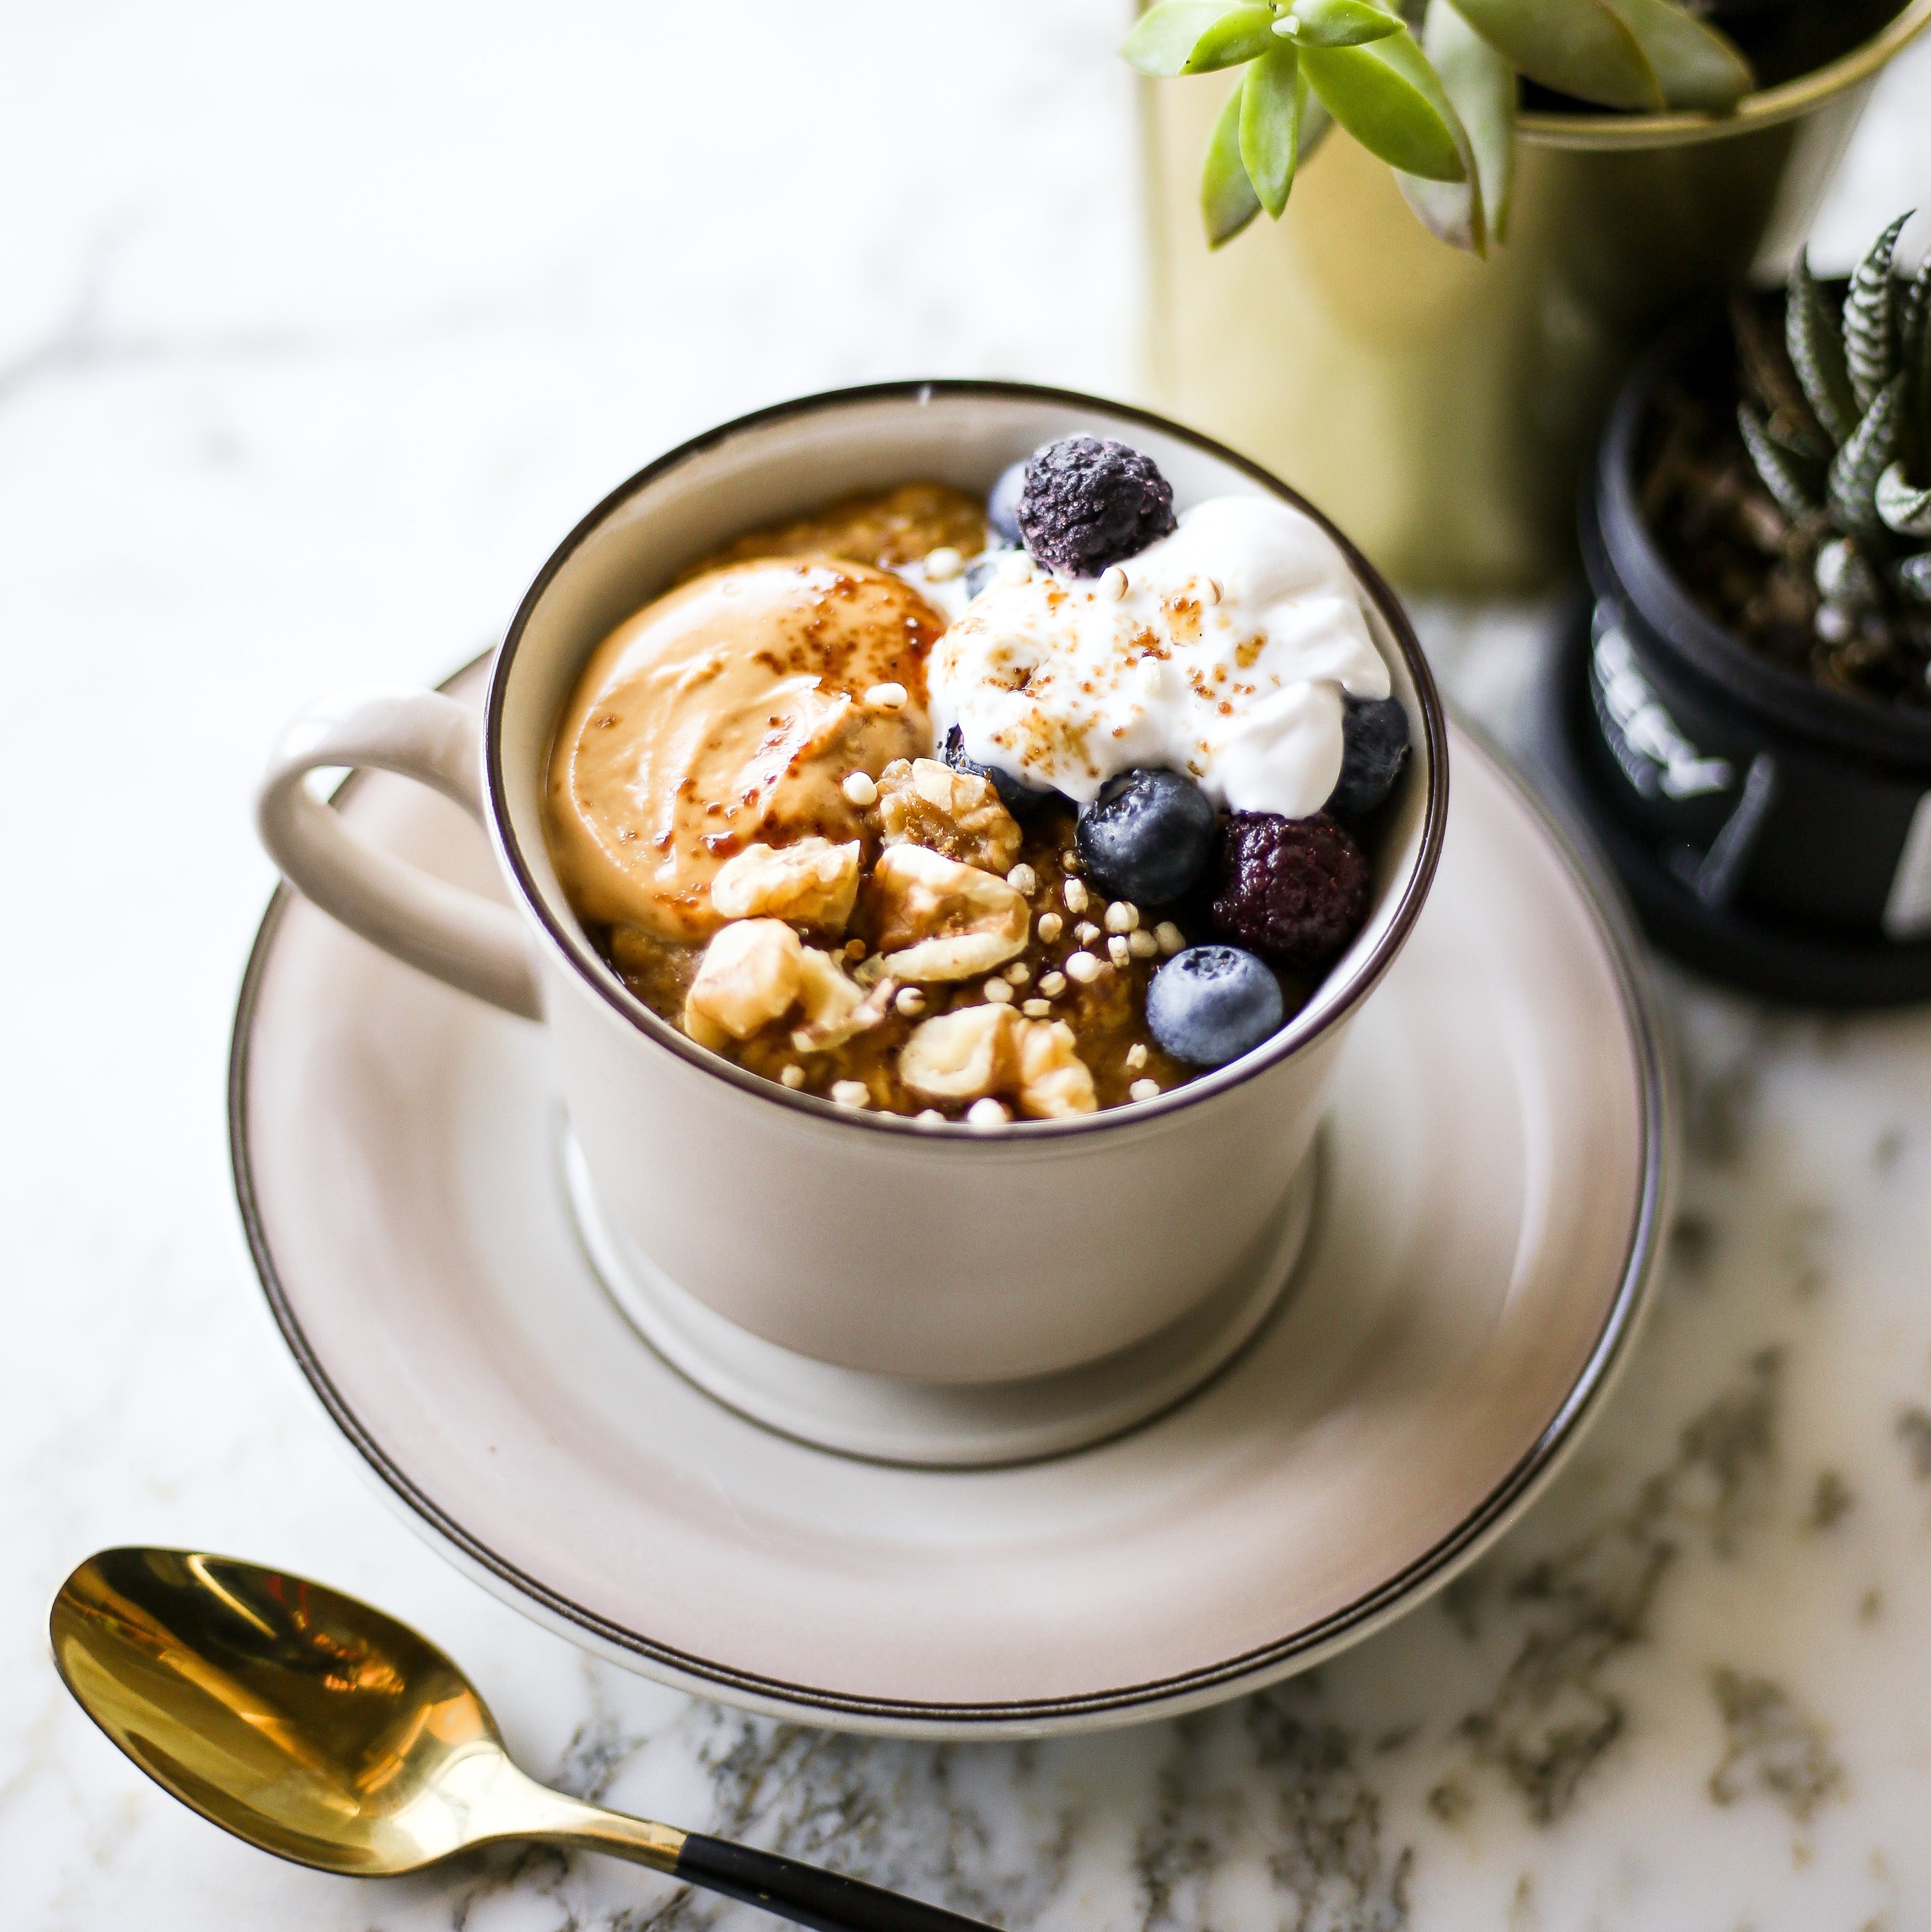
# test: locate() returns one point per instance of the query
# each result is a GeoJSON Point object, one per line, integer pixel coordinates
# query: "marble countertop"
{"type": "Point", "coordinates": [319, 327]}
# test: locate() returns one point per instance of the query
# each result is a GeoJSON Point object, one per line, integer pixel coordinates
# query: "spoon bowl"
{"type": "Point", "coordinates": [296, 1717]}
{"type": "Point", "coordinates": [321, 1729]}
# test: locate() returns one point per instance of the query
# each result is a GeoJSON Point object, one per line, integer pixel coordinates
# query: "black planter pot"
{"type": "Point", "coordinates": [1777, 833]}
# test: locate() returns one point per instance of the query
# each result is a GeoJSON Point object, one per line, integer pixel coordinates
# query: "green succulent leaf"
{"type": "Point", "coordinates": [1845, 576]}
{"type": "Point", "coordinates": [1233, 39]}
{"type": "Point", "coordinates": [1163, 38]}
{"type": "Point", "coordinates": [1817, 354]}
{"type": "Point", "coordinates": [1336, 23]}
{"type": "Point", "coordinates": [1270, 125]}
{"type": "Point", "coordinates": [1789, 479]}
{"type": "Point", "coordinates": [1914, 324]}
{"type": "Point", "coordinates": [1697, 69]}
{"type": "Point", "coordinates": [1904, 509]}
{"type": "Point", "coordinates": [1870, 318]}
{"type": "Point", "coordinates": [1871, 449]}
{"type": "Point", "coordinates": [1914, 338]}
{"type": "Point", "coordinates": [1481, 85]}
{"type": "Point", "coordinates": [1579, 47]}
{"type": "Point", "coordinates": [1386, 95]}
{"type": "Point", "coordinates": [1227, 202]}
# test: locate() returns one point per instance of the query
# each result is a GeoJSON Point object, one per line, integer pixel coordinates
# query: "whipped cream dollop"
{"type": "Point", "coordinates": [1224, 655]}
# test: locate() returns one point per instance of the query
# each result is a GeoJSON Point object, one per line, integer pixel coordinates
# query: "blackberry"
{"type": "Point", "coordinates": [1089, 503]}
{"type": "Point", "coordinates": [1294, 889]}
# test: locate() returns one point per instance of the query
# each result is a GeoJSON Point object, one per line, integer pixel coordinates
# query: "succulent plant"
{"type": "Point", "coordinates": [1844, 447]}
{"type": "Point", "coordinates": [1430, 86]}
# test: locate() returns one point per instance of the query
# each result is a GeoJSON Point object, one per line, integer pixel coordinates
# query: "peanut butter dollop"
{"type": "Point", "coordinates": [728, 713]}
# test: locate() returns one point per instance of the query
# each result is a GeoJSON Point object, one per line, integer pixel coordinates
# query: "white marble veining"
{"type": "Point", "coordinates": [319, 326]}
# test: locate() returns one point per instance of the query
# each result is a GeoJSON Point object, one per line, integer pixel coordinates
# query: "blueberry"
{"type": "Point", "coordinates": [983, 568]}
{"type": "Point", "coordinates": [1147, 836]}
{"type": "Point", "coordinates": [1002, 507]}
{"type": "Point", "coordinates": [1021, 800]}
{"type": "Point", "coordinates": [1212, 1004]}
{"type": "Point", "coordinates": [1090, 502]}
{"type": "Point", "coordinates": [1295, 889]}
{"type": "Point", "coordinates": [1375, 741]}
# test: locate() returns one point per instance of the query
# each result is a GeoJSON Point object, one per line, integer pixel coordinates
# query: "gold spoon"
{"type": "Point", "coordinates": [320, 1729]}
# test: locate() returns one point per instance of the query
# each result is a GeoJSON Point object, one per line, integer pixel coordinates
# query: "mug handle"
{"type": "Point", "coordinates": [453, 935]}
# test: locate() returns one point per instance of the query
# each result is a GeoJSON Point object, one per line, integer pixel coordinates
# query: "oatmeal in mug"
{"type": "Point", "coordinates": [957, 811]}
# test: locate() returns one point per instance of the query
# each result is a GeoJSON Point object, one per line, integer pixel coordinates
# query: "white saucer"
{"type": "Point", "coordinates": [1496, 1166]}
{"type": "Point", "coordinates": [927, 1425]}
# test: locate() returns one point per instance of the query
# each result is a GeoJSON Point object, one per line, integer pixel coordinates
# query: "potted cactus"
{"type": "Point", "coordinates": [1754, 716]}
{"type": "Point", "coordinates": [1592, 163]}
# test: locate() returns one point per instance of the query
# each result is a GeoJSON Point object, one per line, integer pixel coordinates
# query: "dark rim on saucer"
{"type": "Point", "coordinates": [1642, 1257]}
{"type": "Point", "coordinates": [1363, 976]}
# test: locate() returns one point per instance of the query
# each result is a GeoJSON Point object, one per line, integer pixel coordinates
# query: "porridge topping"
{"type": "Point", "coordinates": [724, 715]}
{"type": "Point", "coordinates": [989, 872]}
{"type": "Point", "coordinates": [1052, 680]}
{"type": "Point", "coordinates": [923, 803]}
{"type": "Point", "coordinates": [813, 882]}
{"type": "Point", "coordinates": [936, 919]}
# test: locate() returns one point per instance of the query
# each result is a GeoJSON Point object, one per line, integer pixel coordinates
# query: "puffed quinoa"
{"type": "Point", "coordinates": [987, 1113]}
{"type": "Point", "coordinates": [1076, 894]}
{"type": "Point", "coordinates": [1017, 973]}
{"type": "Point", "coordinates": [793, 1076]}
{"type": "Point", "coordinates": [1082, 966]}
{"type": "Point", "coordinates": [1086, 932]}
{"type": "Point", "coordinates": [1144, 1090]}
{"type": "Point", "coordinates": [943, 564]}
{"type": "Point", "coordinates": [1141, 943]}
{"type": "Point", "coordinates": [860, 789]}
{"type": "Point", "coordinates": [1023, 879]}
{"type": "Point", "coordinates": [1136, 1057]}
{"type": "Point", "coordinates": [1036, 1009]}
{"type": "Point", "coordinates": [1170, 936]}
{"type": "Point", "coordinates": [887, 697]}
{"type": "Point", "coordinates": [998, 992]}
{"type": "Point", "coordinates": [1049, 926]}
{"type": "Point", "coordinates": [910, 1001]}
{"type": "Point", "coordinates": [1053, 985]}
{"type": "Point", "coordinates": [1122, 916]}
{"type": "Point", "coordinates": [851, 1094]}
{"type": "Point", "coordinates": [1117, 949]}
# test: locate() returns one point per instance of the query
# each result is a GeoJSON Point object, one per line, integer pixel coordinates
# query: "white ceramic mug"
{"type": "Point", "coordinates": [940, 1253]}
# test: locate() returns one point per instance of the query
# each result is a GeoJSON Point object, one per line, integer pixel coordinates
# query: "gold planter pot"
{"type": "Point", "coordinates": [1441, 408]}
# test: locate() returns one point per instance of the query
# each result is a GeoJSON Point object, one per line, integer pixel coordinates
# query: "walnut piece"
{"type": "Point", "coordinates": [750, 974]}
{"type": "Point", "coordinates": [1054, 1080]}
{"type": "Point", "coordinates": [935, 919]}
{"type": "Point", "coordinates": [962, 1056]}
{"type": "Point", "coordinates": [954, 814]}
{"type": "Point", "coordinates": [976, 1052]}
{"type": "Point", "coordinates": [834, 1008]}
{"type": "Point", "coordinates": [813, 883]}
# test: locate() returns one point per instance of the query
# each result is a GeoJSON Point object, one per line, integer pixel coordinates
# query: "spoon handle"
{"type": "Point", "coordinates": [805, 1895]}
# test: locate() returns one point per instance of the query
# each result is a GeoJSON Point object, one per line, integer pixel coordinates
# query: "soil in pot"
{"type": "Point", "coordinates": [1748, 566]}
